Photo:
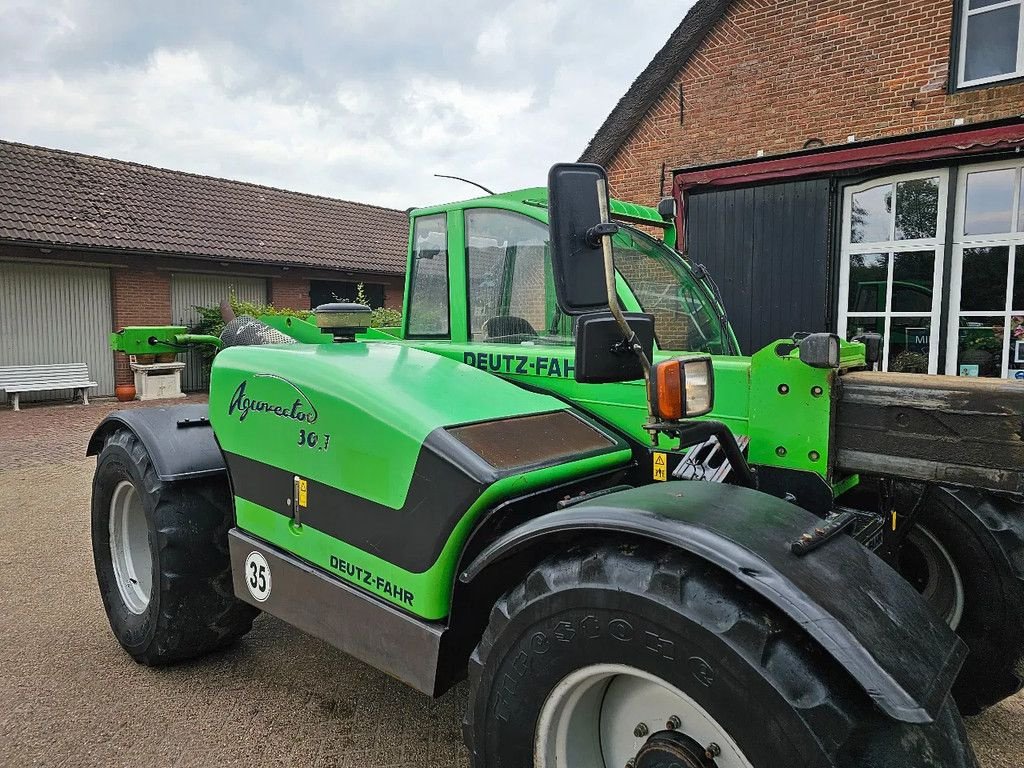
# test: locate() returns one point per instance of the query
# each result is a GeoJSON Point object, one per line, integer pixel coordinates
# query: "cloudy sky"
{"type": "Point", "coordinates": [358, 100]}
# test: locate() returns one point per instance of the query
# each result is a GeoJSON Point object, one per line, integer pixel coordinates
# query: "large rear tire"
{"type": "Point", "coordinates": [609, 655]}
{"type": "Point", "coordinates": [966, 557]}
{"type": "Point", "coordinates": [161, 556]}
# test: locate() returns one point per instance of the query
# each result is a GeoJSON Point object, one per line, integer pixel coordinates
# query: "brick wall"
{"type": "Point", "coordinates": [288, 292]}
{"type": "Point", "coordinates": [394, 288]}
{"type": "Point", "coordinates": [774, 73]}
{"type": "Point", "coordinates": [137, 297]}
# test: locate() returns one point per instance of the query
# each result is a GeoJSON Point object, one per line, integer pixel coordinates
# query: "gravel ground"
{"type": "Point", "coordinates": [70, 697]}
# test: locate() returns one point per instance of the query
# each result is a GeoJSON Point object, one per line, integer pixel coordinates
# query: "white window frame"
{"type": "Point", "coordinates": [961, 242]}
{"type": "Point", "coordinates": [965, 13]}
{"type": "Point", "coordinates": [892, 246]}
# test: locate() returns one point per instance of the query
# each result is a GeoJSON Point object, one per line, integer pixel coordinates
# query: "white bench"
{"type": "Point", "coordinates": [15, 379]}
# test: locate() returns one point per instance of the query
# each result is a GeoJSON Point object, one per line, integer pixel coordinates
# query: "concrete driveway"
{"type": "Point", "coordinates": [70, 697]}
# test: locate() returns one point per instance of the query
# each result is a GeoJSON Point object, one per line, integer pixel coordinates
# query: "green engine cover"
{"type": "Point", "coordinates": [373, 460]}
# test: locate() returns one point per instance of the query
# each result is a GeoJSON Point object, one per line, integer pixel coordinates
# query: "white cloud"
{"type": "Point", "coordinates": [358, 101]}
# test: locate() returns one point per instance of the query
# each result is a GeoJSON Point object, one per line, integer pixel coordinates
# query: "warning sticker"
{"type": "Point", "coordinates": [660, 466]}
{"type": "Point", "coordinates": [303, 486]}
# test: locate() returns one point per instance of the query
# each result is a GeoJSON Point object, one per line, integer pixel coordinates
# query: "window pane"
{"type": "Point", "coordinates": [983, 282]}
{"type": "Point", "coordinates": [1018, 281]}
{"type": "Point", "coordinates": [917, 208]}
{"type": "Point", "coordinates": [912, 274]}
{"type": "Point", "coordinates": [984, 3]}
{"type": "Point", "coordinates": [1017, 344]}
{"type": "Point", "coordinates": [909, 342]}
{"type": "Point", "coordinates": [428, 289]}
{"type": "Point", "coordinates": [511, 292]}
{"type": "Point", "coordinates": [992, 43]}
{"type": "Point", "coordinates": [980, 348]}
{"type": "Point", "coordinates": [870, 215]}
{"type": "Point", "coordinates": [869, 274]}
{"type": "Point", "coordinates": [989, 201]}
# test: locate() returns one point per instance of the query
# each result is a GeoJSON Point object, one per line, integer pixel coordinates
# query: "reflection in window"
{"type": "Point", "coordinates": [912, 276]}
{"type": "Point", "coordinates": [909, 344]}
{"type": "Point", "coordinates": [917, 208]}
{"type": "Point", "coordinates": [870, 215]}
{"type": "Point", "coordinates": [983, 282]}
{"type": "Point", "coordinates": [980, 346]}
{"type": "Point", "coordinates": [1018, 281]}
{"type": "Point", "coordinates": [428, 283]}
{"type": "Point", "coordinates": [869, 274]}
{"type": "Point", "coordinates": [989, 206]}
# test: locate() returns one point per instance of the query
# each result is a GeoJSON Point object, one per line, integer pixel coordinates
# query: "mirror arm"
{"type": "Point", "coordinates": [609, 278]}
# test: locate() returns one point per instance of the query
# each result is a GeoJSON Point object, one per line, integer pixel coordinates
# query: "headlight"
{"type": "Point", "coordinates": [682, 387]}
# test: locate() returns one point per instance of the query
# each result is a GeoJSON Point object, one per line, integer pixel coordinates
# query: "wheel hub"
{"type": "Point", "coordinates": [671, 749]}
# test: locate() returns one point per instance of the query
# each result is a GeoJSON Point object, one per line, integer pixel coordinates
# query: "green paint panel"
{"type": "Point", "coordinates": [369, 405]}
{"type": "Point", "coordinates": [430, 590]}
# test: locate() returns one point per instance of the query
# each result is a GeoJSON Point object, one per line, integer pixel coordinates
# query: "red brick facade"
{"type": "Point", "coordinates": [288, 292]}
{"type": "Point", "coordinates": [137, 297]}
{"type": "Point", "coordinates": [773, 74]}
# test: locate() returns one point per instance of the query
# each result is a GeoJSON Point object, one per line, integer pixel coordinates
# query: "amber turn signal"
{"type": "Point", "coordinates": [682, 387]}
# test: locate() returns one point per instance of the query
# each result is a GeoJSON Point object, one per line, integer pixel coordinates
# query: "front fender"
{"type": "Point", "coordinates": [871, 621]}
{"type": "Point", "coordinates": [179, 439]}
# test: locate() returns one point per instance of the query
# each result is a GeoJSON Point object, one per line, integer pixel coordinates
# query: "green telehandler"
{"type": "Point", "coordinates": [561, 479]}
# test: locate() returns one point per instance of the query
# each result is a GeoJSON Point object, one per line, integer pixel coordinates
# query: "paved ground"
{"type": "Point", "coordinates": [70, 697]}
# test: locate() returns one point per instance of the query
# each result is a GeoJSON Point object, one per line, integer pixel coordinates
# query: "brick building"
{"type": "Point", "coordinates": [88, 245]}
{"type": "Point", "coordinates": [844, 165]}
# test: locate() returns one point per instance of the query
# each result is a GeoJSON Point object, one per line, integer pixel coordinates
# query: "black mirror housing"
{"type": "Point", "coordinates": [574, 215]}
{"type": "Point", "coordinates": [602, 356]}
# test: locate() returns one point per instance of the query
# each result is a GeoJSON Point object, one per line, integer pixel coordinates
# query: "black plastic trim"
{"type": "Point", "coordinates": [178, 438]}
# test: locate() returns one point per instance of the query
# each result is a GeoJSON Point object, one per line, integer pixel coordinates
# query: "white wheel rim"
{"type": "Point", "coordinates": [129, 547]}
{"type": "Point", "coordinates": [590, 719]}
{"type": "Point", "coordinates": [936, 557]}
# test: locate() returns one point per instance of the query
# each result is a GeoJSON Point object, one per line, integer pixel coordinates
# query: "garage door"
{"type": "Point", "coordinates": [189, 291]}
{"type": "Point", "coordinates": [53, 313]}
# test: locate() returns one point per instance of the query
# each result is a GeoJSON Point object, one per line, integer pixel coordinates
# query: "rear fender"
{"type": "Point", "coordinates": [849, 601]}
{"type": "Point", "coordinates": [179, 439]}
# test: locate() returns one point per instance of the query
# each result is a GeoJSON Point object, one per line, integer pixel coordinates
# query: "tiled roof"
{"type": "Point", "coordinates": [67, 199]}
{"type": "Point", "coordinates": [653, 81]}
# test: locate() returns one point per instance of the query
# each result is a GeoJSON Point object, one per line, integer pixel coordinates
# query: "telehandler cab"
{"type": "Point", "coordinates": [560, 477]}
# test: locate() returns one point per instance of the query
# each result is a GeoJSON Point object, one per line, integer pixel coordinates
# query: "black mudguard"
{"type": "Point", "coordinates": [856, 607]}
{"type": "Point", "coordinates": [179, 439]}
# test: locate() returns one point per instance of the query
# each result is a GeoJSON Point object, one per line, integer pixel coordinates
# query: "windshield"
{"type": "Point", "coordinates": [686, 318]}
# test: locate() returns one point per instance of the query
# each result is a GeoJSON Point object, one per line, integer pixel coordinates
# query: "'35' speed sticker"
{"type": "Point", "coordinates": [257, 576]}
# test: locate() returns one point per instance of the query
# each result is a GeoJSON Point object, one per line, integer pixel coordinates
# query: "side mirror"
{"type": "Point", "coordinates": [574, 217]}
{"type": "Point", "coordinates": [820, 350]}
{"type": "Point", "coordinates": [603, 356]}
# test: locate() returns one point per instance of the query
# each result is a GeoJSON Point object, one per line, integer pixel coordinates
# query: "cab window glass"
{"type": "Point", "coordinates": [428, 278]}
{"type": "Point", "coordinates": [511, 289]}
{"type": "Point", "coordinates": [685, 319]}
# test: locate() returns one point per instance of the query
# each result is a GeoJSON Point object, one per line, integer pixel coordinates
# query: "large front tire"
{"type": "Point", "coordinates": [617, 654]}
{"type": "Point", "coordinates": [161, 556]}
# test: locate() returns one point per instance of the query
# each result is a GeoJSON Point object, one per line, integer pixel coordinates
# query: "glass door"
{"type": "Point", "coordinates": [986, 328]}
{"type": "Point", "coordinates": [891, 266]}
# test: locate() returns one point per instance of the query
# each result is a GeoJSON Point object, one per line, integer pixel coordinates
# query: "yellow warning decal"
{"type": "Point", "coordinates": [660, 466]}
{"type": "Point", "coordinates": [303, 491]}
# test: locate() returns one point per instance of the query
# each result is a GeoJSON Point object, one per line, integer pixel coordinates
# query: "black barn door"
{"type": "Point", "coordinates": [767, 248]}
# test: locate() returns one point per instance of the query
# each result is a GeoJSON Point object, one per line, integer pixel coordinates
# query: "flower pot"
{"type": "Point", "coordinates": [145, 359]}
{"type": "Point", "coordinates": [166, 357]}
{"type": "Point", "coordinates": [125, 392]}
